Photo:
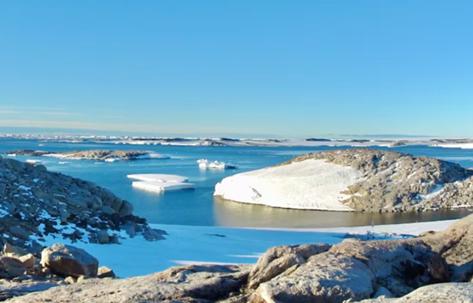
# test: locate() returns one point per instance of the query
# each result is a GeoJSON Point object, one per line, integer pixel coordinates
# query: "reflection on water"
{"type": "Point", "coordinates": [229, 213]}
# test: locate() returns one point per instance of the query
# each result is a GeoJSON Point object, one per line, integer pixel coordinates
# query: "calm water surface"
{"type": "Point", "coordinates": [198, 206]}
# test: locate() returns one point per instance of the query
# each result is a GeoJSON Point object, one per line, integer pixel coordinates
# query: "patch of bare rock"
{"type": "Point", "coordinates": [435, 267]}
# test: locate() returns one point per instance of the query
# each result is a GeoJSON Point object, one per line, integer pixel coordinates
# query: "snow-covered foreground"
{"type": "Point", "coordinates": [309, 184]}
{"type": "Point", "coordinates": [198, 244]}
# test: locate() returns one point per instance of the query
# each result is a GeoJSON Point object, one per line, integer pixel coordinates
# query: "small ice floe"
{"type": "Point", "coordinates": [33, 161]}
{"type": "Point", "coordinates": [153, 156]}
{"type": "Point", "coordinates": [205, 164]}
{"type": "Point", "coordinates": [159, 182]}
{"type": "Point", "coordinates": [11, 155]}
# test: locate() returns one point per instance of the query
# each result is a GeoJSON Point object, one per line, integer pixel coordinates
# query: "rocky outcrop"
{"type": "Point", "coordinates": [278, 260]}
{"type": "Point", "coordinates": [352, 270]}
{"type": "Point", "coordinates": [36, 203]}
{"type": "Point", "coordinates": [96, 155]}
{"type": "Point", "coordinates": [455, 245]}
{"type": "Point", "coordinates": [183, 284]}
{"type": "Point", "coordinates": [356, 270]}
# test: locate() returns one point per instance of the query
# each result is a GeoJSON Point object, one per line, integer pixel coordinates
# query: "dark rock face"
{"type": "Point", "coordinates": [395, 182]}
{"type": "Point", "coordinates": [35, 203]}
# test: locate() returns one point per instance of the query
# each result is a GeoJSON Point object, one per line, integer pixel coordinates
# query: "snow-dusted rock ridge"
{"type": "Point", "coordinates": [355, 179]}
{"type": "Point", "coordinates": [36, 203]}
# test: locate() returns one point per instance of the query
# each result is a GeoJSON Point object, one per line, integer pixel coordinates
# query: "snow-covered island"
{"type": "Point", "coordinates": [96, 155]}
{"type": "Point", "coordinates": [354, 180]}
{"type": "Point", "coordinates": [159, 183]}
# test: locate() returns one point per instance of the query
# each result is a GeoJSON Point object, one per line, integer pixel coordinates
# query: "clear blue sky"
{"type": "Point", "coordinates": [284, 68]}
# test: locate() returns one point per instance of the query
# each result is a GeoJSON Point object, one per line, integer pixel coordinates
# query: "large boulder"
{"type": "Point", "coordinates": [278, 260]}
{"type": "Point", "coordinates": [11, 267]}
{"type": "Point", "coordinates": [456, 246]}
{"type": "Point", "coordinates": [66, 260]}
{"type": "Point", "coordinates": [356, 270]}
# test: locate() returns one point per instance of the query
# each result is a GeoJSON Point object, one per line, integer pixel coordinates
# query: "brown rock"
{"type": "Point", "coordinates": [11, 267]}
{"type": "Point", "coordinates": [28, 261]}
{"type": "Point", "coordinates": [65, 260]}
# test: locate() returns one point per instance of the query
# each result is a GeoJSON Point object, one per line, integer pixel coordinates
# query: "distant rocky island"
{"type": "Point", "coordinates": [355, 180]}
{"type": "Point", "coordinates": [435, 267]}
{"type": "Point", "coordinates": [388, 141]}
{"type": "Point", "coordinates": [96, 154]}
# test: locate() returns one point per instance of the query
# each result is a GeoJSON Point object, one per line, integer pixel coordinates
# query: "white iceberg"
{"type": "Point", "coordinates": [159, 182]}
{"type": "Point", "coordinates": [205, 164]}
{"type": "Point", "coordinates": [33, 161]}
{"type": "Point", "coordinates": [309, 184]}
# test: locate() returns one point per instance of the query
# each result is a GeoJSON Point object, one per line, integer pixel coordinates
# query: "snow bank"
{"type": "Point", "coordinates": [310, 184]}
{"type": "Point", "coordinates": [412, 229]}
{"type": "Point", "coordinates": [456, 145]}
{"type": "Point", "coordinates": [159, 182]}
{"type": "Point", "coordinates": [205, 164]}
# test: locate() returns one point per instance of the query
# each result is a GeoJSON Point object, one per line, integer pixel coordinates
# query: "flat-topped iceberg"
{"type": "Point", "coordinates": [205, 164]}
{"type": "Point", "coordinates": [311, 184]}
{"type": "Point", "coordinates": [159, 182]}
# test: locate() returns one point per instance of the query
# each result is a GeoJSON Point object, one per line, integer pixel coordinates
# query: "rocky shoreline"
{"type": "Point", "coordinates": [434, 267]}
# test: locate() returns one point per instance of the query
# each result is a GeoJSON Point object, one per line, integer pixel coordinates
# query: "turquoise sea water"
{"type": "Point", "coordinates": [198, 206]}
